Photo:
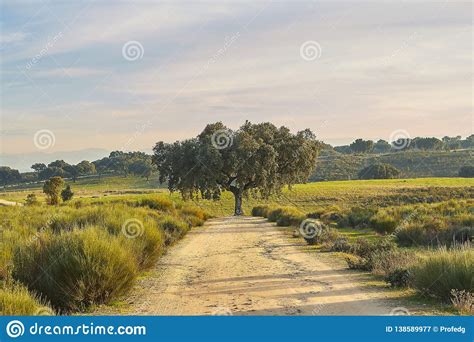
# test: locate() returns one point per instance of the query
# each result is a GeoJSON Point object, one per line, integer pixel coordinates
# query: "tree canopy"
{"type": "Point", "coordinates": [8, 175]}
{"type": "Point", "coordinates": [466, 172]}
{"type": "Point", "coordinates": [256, 159]}
{"type": "Point", "coordinates": [52, 188]}
{"type": "Point", "coordinates": [379, 171]}
{"type": "Point", "coordinates": [362, 146]}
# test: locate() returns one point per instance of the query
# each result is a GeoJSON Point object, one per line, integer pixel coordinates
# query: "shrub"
{"type": "Point", "coordinates": [77, 269]}
{"type": "Point", "coordinates": [147, 243]}
{"type": "Point", "coordinates": [458, 235]}
{"type": "Point", "coordinates": [398, 278]}
{"type": "Point", "coordinates": [289, 216]}
{"type": "Point", "coordinates": [367, 251]}
{"type": "Point", "coordinates": [424, 231]}
{"type": "Point", "coordinates": [52, 189]}
{"type": "Point", "coordinates": [466, 171]}
{"type": "Point", "coordinates": [443, 271]}
{"type": "Point", "coordinates": [192, 221]}
{"type": "Point", "coordinates": [328, 237]}
{"type": "Point", "coordinates": [379, 171]}
{"type": "Point", "coordinates": [193, 215]}
{"type": "Point", "coordinates": [67, 193]}
{"type": "Point", "coordinates": [364, 248]}
{"type": "Point", "coordinates": [194, 211]}
{"type": "Point", "coordinates": [173, 227]}
{"type": "Point", "coordinates": [383, 222]}
{"type": "Point", "coordinates": [274, 214]}
{"type": "Point", "coordinates": [157, 203]}
{"type": "Point", "coordinates": [31, 199]}
{"type": "Point", "coordinates": [313, 231]}
{"type": "Point", "coordinates": [385, 262]}
{"type": "Point", "coordinates": [15, 300]}
{"type": "Point", "coordinates": [327, 214]}
{"type": "Point", "coordinates": [359, 217]}
{"type": "Point", "coordinates": [341, 244]}
{"type": "Point", "coordinates": [260, 210]}
{"type": "Point", "coordinates": [355, 262]}
{"type": "Point", "coordinates": [463, 301]}
{"type": "Point", "coordinates": [285, 216]}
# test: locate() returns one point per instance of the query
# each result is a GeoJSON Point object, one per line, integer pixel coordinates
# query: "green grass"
{"type": "Point", "coordinates": [86, 187]}
{"type": "Point", "coordinates": [16, 300]}
{"type": "Point", "coordinates": [106, 203]}
{"type": "Point", "coordinates": [303, 196]}
{"type": "Point", "coordinates": [443, 270]}
{"type": "Point", "coordinates": [353, 234]}
{"type": "Point", "coordinates": [87, 251]}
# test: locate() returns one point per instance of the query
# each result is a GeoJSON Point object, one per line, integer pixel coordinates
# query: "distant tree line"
{"type": "Point", "coordinates": [140, 164]}
{"type": "Point", "coordinates": [360, 146]}
{"type": "Point", "coordinates": [117, 163]}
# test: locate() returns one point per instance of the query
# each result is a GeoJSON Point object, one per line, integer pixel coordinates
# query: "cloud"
{"type": "Point", "coordinates": [73, 72]}
{"type": "Point", "coordinates": [382, 66]}
{"type": "Point", "coordinates": [12, 37]}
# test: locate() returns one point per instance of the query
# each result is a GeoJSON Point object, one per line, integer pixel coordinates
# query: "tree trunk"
{"type": "Point", "coordinates": [238, 203]}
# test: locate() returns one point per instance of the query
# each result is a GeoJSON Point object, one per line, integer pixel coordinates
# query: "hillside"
{"type": "Point", "coordinates": [413, 164]}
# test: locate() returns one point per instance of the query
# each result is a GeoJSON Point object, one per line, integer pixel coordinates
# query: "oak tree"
{"type": "Point", "coordinates": [256, 159]}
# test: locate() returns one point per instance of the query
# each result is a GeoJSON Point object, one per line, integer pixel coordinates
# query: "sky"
{"type": "Point", "coordinates": [108, 75]}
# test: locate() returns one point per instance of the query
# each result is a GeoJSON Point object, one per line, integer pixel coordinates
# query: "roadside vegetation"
{"type": "Point", "coordinates": [84, 232]}
{"type": "Point", "coordinates": [423, 246]}
{"type": "Point", "coordinates": [67, 257]}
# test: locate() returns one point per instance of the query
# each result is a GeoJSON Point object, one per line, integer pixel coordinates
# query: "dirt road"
{"type": "Point", "coordinates": [9, 203]}
{"type": "Point", "coordinates": [248, 266]}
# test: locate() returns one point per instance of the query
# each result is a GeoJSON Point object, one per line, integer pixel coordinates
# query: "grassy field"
{"type": "Point", "coordinates": [361, 213]}
{"type": "Point", "coordinates": [87, 187]}
{"type": "Point", "coordinates": [346, 194]}
{"type": "Point", "coordinates": [82, 253]}
{"type": "Point", "coordinates": [307, 197]}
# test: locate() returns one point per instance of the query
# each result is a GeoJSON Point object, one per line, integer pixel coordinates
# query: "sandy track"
{"type": "Point", "coordinates": [9, 203]}
{"type": "Point", "coordinates": [248, 266]}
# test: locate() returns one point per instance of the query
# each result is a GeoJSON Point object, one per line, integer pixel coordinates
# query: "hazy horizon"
{"type": "Point", "coordinates": [121, 76]}
{"type": "Point", "coordinates": [23, 162]}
